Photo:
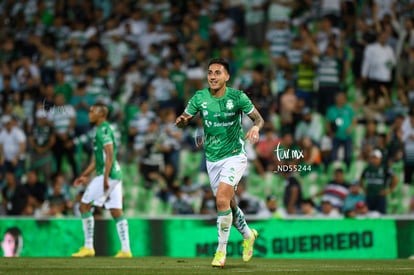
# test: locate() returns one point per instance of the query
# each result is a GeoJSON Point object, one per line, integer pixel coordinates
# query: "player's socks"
{"type": "Point", "coordinates": [224, 221]}
{"type": "Point", "coordinates": [88, 223]}
{"type": "Point", "coordinates": [122, 229]}
{"type": "Point", "coordinates": [240, 223]}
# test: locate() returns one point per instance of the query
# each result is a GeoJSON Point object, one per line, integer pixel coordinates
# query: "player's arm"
{"type": "Point", "coordinates": [109, 159]}
{"type": "Point", "coordinates": [83, 178]}
{"type": "Point", "coordinates": [253, 134]}
{"type": "Point", "coordinates": [183, 120]}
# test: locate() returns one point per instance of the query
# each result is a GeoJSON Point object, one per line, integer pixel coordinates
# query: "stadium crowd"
{"type": "Point", "coordinates": [333, 80]}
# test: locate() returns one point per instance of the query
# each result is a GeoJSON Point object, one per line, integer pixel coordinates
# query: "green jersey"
{"type": "Point", "coordinates": [105, 135]}
{"type": "Point", "coordinates": [223, 134]}
{"type": "Point", "coordinates": [376, 179]}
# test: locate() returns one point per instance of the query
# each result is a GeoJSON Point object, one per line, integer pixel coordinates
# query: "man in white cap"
{"type": "Point", "coordinates": [12, 145]}
{"type": "Point", "coordinates": [378, 181]}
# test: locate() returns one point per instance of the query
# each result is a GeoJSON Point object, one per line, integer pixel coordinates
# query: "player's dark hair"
{"type": "Point", "coordinates": [18, 239]}
{"type": "Point", "coordinates": [220, 61]}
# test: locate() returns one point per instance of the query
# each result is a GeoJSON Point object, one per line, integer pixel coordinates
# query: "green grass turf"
{"type": "Point", "coordinates": [172, 266]}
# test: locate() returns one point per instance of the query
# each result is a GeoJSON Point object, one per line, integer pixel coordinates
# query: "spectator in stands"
{"type": "Point", "coordinates": [273, 209]}
{"type": "Point", "coordinates": [171, 137]}
{"type": "Point", "coordinates": [336, 190]}
{"type": "Point", "coordinates": [362, 211]}
{"type": "Point", "coordinates": [394, 139]}
{"type": "Point", "coordinates": [361, 37]}
{"type": "Point", "coordinates": [36, 191]}
{"type": "Point", "coordinates": [311, 125]}
{"type": "Point", "coordinates": [278, 38]}
{"type": "Point", "coordinates": [354, 196]}
{"type": "Point", "coordinates": [378, 181]}
{"type": "Point", "coordinates": [376, 103]}
{"type": "Point", "coordinates": [7, 92]}
{"type": "Point", "coordinates": [190, 188]}
{"type": "Point", "coordinates": [162, 92]}
{"type": "Point", "coordinates": [81, 101]}
{"type": "Point", "coordinates": [265, 101]}
{"type": "Point", "coordinates": [369, 141]}
{"type": "Point", "coordinates": [222, 30]}
{"type": "Point", "coordinates": [341, 121]}
{"type": "Point", "coordinates": [12, 146]}
{"type": "Point", "coordinates": [327, 33]}
{"type": "Point", "coordinates": [283, 77]}
{"type": "Point", "coordinates": [63, 87]}
{"type": "Point", "coordinates": [179, 78]}
{"type": "Point", "coordinates": [63, 119]}
{"type": "Point", "coordinates": [140, 122]}
{"type": "Point", "coordinates": [42, 139]}
{"type": "Point", "coordinates": [255, 24]}
{"type": "Point", "coordinates": [407, 129]}
{"type": "Point", "coordinates": [249, 203]}
{"type": "Point", "coordinates": [288, 103]}
{"type": "Point", "coordinates": [58, 198]}
{"type": "Point", "coordinates": [330, 76]}
{"type": "Point", "coordinates": [379, 60]}
{"type": "Point", "coordinates": [14, 195]}
{"type": "Point", "coordinates": [292, 196]}
{"type": "Point", "coordinates": [306, 73]}
{"type": "Point", "coordinates": [307, 208]}
{"type": "Point", "coordinates": [328, 210]}
{"type": "Point", "coordinates": [181, 204]}
{"type": "Point", "coordinates": [208, 201]}
{"type": "Point", "coordinates": [265, 150]}
{"type": "Point", "coordinates": [27, 74]}
{"type": "Point", "coordinates": [312, 157]}
{"type": "Point", "coordinates": [258, 80]}
{"type": "Point", "coordinates": [150, 159]}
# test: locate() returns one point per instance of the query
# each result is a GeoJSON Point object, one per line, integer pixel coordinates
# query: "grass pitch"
{"type": "Point", "coordinates": [172, 266]}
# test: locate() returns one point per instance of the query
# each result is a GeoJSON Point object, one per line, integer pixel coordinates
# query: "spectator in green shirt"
{"type": "Point", "coordinates": [62, 87]}
{"type": "Point", "coordinates": [341, 120]}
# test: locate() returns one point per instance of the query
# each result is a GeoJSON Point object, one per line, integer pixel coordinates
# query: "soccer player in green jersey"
{"type": "Point", "coordinates": [105, 189]}
{"type": "Point", "coordinates": [221, 109]}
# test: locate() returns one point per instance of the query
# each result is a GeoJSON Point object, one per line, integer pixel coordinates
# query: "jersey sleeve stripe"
{"type": "Point", "coordinates": [251, 111]}
{"type": "Point", "coordinates": [106, 143]}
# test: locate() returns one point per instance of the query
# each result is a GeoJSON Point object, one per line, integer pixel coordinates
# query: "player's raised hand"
{"type": "Point", "coordinates": [182, 120]}
{"type": "Point", "coordinates": [80, 180]}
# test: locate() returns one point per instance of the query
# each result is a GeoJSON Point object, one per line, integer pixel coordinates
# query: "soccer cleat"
{"type": "Point", "coordinates": [248, 246]}
{"type": "Point", "coordinates": [219, 259]}
{"type": "Point", "coordinates": [123, 254]}
{"type": "Point", "coordinates": [84, 252]}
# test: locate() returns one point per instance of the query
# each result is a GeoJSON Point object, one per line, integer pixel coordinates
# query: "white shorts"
{"type": "Point", "coordinates": [94, 193]}
{"type": "Point", "coordinates": [229, 170]}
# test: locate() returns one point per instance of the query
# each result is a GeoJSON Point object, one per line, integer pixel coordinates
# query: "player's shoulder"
{"type": "Point", "coordinates": [104, 128]}
{"type": "Point", "coordinates": [235, 93]}
{"type": "Point", "coordinates": [202, 92]}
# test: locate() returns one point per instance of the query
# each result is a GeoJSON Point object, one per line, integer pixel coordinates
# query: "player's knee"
{"type": "Point", "coordinates": [83, 207]}
{"type": "Point", "coordinates": [222, 203]}
{"type": "Point", "coordinates": [116, 213]}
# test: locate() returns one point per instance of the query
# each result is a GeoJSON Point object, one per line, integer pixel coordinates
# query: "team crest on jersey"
{"type": "Point", "coordinates": [204, 105]}
{"type": "Point", "coordinates": [229, 104]}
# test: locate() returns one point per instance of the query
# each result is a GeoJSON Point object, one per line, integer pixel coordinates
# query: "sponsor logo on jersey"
{"type": "Point", "coordinates": [229, 104]}
{"type": "Point", "coordinates": [204, 105]}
